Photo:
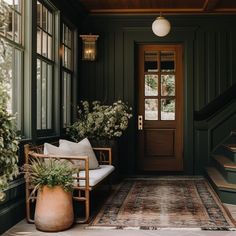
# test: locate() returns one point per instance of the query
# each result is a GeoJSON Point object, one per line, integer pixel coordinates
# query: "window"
{"type": "Point", "coordinates": [67, 73]}
{"type": "Point", "coordinates": [45, 66]}
{"type": "Point", "coordinates": [14, 27]}
{"type": "Point", "coordinates": [13, 61]}
{"type": "Point", "coordinates": [33, 68]}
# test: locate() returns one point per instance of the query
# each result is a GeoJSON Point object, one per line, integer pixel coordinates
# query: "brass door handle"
{"type": "Point", "coordinates": [140, 122]}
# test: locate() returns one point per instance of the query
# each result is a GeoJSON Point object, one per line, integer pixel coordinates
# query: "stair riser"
{"type": "Point", "coordinates": [229, 175]}
{"type": "Point", "coordinates": [225, 196]}
{"type": "Point", "coordinates": [226, 152]}
{"type": "Point", "coordinates": [232, 138]}
{"type": "Point", "coordinates": [230, 154]}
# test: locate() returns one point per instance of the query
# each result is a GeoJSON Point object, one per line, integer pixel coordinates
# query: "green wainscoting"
{"type": "Point", "coordinates": [12, 210]}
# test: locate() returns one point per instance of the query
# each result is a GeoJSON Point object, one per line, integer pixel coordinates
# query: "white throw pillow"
{"type": "Point", "coordinates": [50, 149]}
{"type": "Point", "coordinates": [82, 148]}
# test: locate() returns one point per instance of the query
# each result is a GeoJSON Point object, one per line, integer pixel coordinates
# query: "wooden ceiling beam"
{"type": "Point", "coordinates": [146, 10]}
{"type": "Point", "coordinates": [132, 7]}
{"type": "Point", "coordinates": [209, 5]}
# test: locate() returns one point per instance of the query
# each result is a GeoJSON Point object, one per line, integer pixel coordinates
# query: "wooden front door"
{"type": "Point", "coordinates": [160, 108]}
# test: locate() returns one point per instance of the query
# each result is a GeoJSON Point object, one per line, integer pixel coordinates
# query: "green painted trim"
{"type": "Point", "coordinates": [12, 210]}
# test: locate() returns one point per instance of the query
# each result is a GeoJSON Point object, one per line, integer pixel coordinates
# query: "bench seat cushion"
{"type": "Point", "coordinates": [97, 175]}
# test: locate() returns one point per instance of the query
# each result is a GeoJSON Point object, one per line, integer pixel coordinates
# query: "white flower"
{"type": "Point", "coordinates": [100, 121]}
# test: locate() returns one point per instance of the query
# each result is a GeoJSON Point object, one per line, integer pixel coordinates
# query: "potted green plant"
{"type": "Point", "coordinates": [52, 180]}
{"type": "Point", "coordinates": [8, 133]}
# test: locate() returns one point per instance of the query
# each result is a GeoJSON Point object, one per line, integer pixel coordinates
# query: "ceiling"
{"type": "Point", "coordinates": [157, 6]}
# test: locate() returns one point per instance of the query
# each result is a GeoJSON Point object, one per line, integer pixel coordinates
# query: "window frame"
{"type": "Point", "coordinates": [68, 70]}
{"type": "Point", "coordinates": [54, 61]}
{"type": "Point", "coordinates": [17, 101]}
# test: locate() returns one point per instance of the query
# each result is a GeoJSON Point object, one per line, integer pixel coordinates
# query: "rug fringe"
{"type": "Point", "coordinates": [158, 228]}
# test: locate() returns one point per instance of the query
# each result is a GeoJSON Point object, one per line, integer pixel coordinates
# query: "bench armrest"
{"type": "Point", "coordinates": [104, 155]}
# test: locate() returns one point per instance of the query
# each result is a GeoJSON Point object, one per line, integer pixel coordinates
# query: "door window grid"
{"type": "Point", "coordinates": [159, 94]}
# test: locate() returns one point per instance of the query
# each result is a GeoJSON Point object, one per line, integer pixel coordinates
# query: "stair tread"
{"type": "Point", "coordinates": [218, 179]}
{"type": "Point", "coordinates": [225, 161]}
{"type": "Point", "coordinates": [231, 147]}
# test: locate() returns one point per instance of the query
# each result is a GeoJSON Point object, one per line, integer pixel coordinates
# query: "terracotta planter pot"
{"type": "Point", "coordinates": [54, 209]}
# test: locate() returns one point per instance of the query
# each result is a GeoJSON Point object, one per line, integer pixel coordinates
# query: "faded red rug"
{"type": "Point", "coordinates": [156, 203]}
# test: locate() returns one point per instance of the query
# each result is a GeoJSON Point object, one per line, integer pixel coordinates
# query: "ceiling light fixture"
{"type": "Point", "coordinates": [161, 26]}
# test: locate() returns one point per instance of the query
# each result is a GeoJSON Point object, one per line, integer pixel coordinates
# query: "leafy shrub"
{"type": "Point", "coordinates": [100, 121]}
{"type": "Point", "coordinates": [8, 134]}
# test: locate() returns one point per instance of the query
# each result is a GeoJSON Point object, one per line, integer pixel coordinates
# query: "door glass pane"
{"type": "Point", "coordinates": [151, 109]}
{"type": "Point", "coordinates": [150, 62]}
{"type": "Point", "coordinates": [168, 85]}
{"type": "Point", "coordinates": [151, 85]}
{"type": "Point", "coordinates": [167, 61]}
{"type": "Point", "coordinates": [168, 109]}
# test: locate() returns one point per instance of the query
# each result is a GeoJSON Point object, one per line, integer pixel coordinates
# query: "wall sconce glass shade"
{"type": "Point", "coordinates": [161, 26]}
{"type": "Point", "coordinates": [89, 47]}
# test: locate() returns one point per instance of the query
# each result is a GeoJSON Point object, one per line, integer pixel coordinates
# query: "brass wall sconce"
{"type": "Point", "coordinates": [89, 47]}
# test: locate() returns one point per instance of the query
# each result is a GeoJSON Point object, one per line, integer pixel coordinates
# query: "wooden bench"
{"type": "Point", "coordinates": [85, 181]}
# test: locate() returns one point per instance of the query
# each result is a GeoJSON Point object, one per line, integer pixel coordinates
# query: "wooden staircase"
{"type": "Point", "coordinates": [222, 173]}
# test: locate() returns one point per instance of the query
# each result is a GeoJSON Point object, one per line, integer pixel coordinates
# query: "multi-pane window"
{"type": "Point", "coordinates": [13, 31]}
{"type": "Point", "coordinates": [159, 87]}
{"type": "Point", "coordinates": [45, 66]}
{"type": "Point", "coordinates": [67, 73]}
{"type": "Point", "coordinates": [13, 55]}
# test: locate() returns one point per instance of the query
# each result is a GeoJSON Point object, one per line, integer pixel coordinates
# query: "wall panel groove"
{"type": "Point", "coordinates": [208, 60]}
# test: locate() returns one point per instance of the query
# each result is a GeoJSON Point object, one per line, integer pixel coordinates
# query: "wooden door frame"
{"type": "Point", "coordinates": [180, 100]}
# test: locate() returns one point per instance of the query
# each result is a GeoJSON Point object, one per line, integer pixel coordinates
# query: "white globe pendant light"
{"type": "Point", "coordinates": [161, 26]}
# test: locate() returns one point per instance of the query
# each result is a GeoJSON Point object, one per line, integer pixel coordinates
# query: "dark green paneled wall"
{"type": "Point", "coordinates": [209, 49]}
{"type": "Point", "coordinates": [214, 63]}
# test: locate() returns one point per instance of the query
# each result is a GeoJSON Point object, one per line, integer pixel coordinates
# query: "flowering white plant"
{"type": "Point", "coordinates": [97, 121]}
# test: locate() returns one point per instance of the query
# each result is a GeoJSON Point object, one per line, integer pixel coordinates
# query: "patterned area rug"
{"type": "Point", "coordinates": [163, 203]}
